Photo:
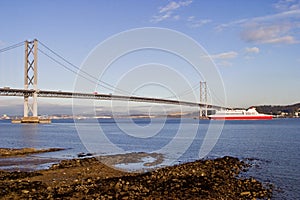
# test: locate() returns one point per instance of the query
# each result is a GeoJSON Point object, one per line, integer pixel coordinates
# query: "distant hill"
{"type": "Point", "coordinates": [277, 110]}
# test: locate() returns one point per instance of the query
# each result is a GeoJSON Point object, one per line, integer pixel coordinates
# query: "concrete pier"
{"type": "Point", "coordinates": [34, 120]}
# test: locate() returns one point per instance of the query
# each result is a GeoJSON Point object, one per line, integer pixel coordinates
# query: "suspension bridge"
{"type": "Point", "coordinates": [31, 93]}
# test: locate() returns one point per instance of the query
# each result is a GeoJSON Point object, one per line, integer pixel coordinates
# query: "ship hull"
{"type": "Point", "coordinates": [245, 117]}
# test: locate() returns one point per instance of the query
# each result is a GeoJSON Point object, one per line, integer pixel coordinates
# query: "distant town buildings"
{"type": "Point", "coordinates": [297, 113]}
{"type": "Point", "coordinates": [285, 114]}
{"type": "Point", "coordinates": [4, 117]}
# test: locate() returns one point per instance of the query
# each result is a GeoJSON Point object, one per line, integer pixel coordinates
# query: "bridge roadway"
{"type": "Point", "coordinates": [60, 94]}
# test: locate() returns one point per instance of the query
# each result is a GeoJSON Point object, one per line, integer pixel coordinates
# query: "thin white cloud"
{"type": "Point", "coordinates": [176, 17]}
{"type": "Point", "coordinates": [191, 18]}
{"type": "Point", "coordinates": [223, 59]}
{"type": "Point", "coordinates": [169, 7]}
{"type": "Point", "coordinates": [159, 18]}
{"type": "Point", "coordinates": [168, 11]}
{"type": "Point", "coordinates": [252, 50]}
{"type": "Point", "coordinates": [287, 5]}
{"type": "Point", "coordinates": [273, 29]}
{"type": "Point", "coordinates": [186, 2]}
{"type": "Point", "coordinates": [279, 16]}
{"type": "Point", "coordinates": [195, 23]}
{"type": "Point", "coordinates": [285, 40]}
{"type": "Point", "coordinates": [278, 33]}
{"type": "Point", "coordinates": [224, 63]}
{"type": "Point", "coordinates": [225, 55]}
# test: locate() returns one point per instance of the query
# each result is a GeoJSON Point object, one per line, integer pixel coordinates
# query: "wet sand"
{"type": "Point", "coordinates": [7, 152]}
{"type": "Point", "coordinates": [88, 178]}
{"type": "Point", "coordinates": [25, 160]}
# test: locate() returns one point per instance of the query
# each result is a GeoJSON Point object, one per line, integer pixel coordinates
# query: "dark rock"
{"type": "Point", "coordinates": [203, 179]}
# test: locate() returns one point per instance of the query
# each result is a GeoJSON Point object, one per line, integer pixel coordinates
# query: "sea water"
{"type": "Point", "coordinates": [271, 146]}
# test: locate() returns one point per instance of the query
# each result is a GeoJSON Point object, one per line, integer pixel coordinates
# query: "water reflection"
{"type": "Point", "coordinates": [29, 134]}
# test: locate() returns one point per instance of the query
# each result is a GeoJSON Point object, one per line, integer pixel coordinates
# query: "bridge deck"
{"type": "Point", "coordinates": [61, 94]}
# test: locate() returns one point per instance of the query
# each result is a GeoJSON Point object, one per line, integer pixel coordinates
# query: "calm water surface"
{"type": "Point", "coordinates": [272, 145]}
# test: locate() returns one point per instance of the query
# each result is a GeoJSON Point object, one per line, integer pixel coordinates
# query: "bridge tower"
{"type": "Point", "coordinates": [30, 82]}
{"type": "Point", "coordinates": [203, 99]}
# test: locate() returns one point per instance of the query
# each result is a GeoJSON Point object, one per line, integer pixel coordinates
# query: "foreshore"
{"type": "Point", "coordinates": [7, 152]}
{"type": "Point", "coordinates": [88, 178]}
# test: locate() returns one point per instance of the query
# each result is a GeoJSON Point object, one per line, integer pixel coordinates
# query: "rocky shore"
{"type": "Point", "coordinates": [88, 178]}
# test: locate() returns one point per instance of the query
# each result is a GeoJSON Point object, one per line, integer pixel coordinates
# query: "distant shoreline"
{"type": "Point", "coordinates": [278, 111]}
{"type": "Point", "coordinates": [138, 117]}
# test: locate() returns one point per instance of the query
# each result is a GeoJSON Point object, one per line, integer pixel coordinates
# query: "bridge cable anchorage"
{"type": "Point", "coordinates": [108, 86]}
{"type": "Point", "coordinates": [12, 47]}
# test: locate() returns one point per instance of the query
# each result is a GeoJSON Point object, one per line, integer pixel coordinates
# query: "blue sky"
{"type": "Point", "coordinates": [254, 44]}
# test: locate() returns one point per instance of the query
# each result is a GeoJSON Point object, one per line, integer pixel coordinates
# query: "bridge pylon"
{"type": "Point", "coordinates": [30, 78]}
{"type": "Point", "coordinates": [203, 99]}
{"type": "Point", "coordinates": [30, 83]}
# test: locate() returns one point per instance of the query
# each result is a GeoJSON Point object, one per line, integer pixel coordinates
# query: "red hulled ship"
{"type": "Point", "coordinates": [250, 114]}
